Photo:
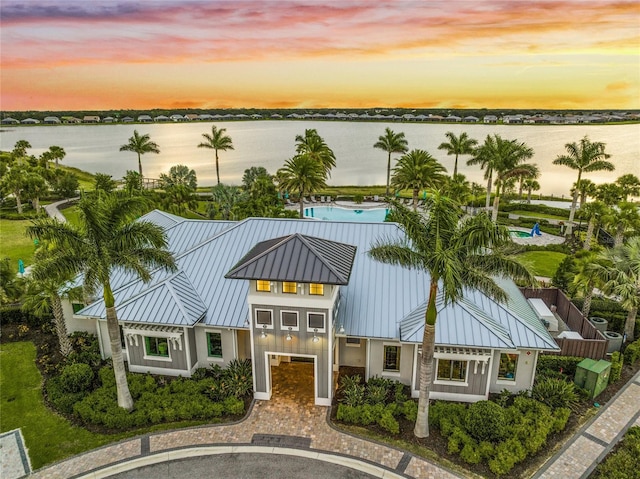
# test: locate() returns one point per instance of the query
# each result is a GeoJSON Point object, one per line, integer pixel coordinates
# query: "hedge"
{"type": "Point", "coordinates": [632, 352]}
{"type": "Point", "coordinates": [12, 314]}
{"type": "Point", "coordinates": [551, 365]}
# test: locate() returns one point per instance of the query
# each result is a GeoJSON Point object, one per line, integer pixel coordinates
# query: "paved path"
{"type": "Point", "coordinates": [53, 211]}
{"type": "Point", "coordinates": [582, 453]}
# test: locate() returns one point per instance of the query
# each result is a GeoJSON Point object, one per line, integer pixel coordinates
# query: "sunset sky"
{"type": "Point", "coordinates": [83, 55]}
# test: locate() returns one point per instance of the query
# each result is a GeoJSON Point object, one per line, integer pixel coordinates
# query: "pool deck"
{"type": "Point", "coordinates": [543, 240]}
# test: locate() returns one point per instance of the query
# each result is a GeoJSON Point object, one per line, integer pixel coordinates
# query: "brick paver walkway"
{"type": "Point", "coordinates": [290, 419]}
{"type": "Point", "coordinates": [580, 456]}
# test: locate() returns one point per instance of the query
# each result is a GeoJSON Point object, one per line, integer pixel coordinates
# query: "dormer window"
{"type": "Point", "coordinates": [316, 289]}
{"type": "Point", "coordinates": [289, 287]}
{"type": "Point", "coordinates": [262, 285]}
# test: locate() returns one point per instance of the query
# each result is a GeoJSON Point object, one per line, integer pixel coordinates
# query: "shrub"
{"type": "Point", "coordinates": [446, 416]}
{"type": "Point", "coordinates": [388, 422]}
{"type": "Point", "coordinates": [376, 393]}
{"type": "Point", "coordinates": [625, 461]}
{"type": "Point", "coordinates": [410, 410]}
{"type": "Point", "coordinates": [557, 364]}
{"type": "Point", "coordinates": [616, 367]}
{"type": "Point", "coordinates": [234, 406]}
{"type": "Point", "coordinates": [560, 418]}
{"type": "Point", "coordinates": [458, 439]}
{"type": "Point", "coordinates": [76, 378]}
{"type": "Point", "coordinates": [485, 421]}
{"type": "Point", "coordinates": [398, 393]}
{"type": "Point", "coordinates": [238, 375]}
{"type": "Point", "coordinates": [349, 381]}
{"type": "Point", "coordinates": [353, 395]}
{"type": "Point", "coordinates": [632, 352]}
{"type": "Point", "coordinates": [555, 393]}
{"type": "Point", "coordinates": [507, 455]}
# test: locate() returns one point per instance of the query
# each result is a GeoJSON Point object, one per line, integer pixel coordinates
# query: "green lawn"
{"type": "Point", "coordinates": [541, 263]}
{"type": "Point", "coordinates": [14, 244]}
{"type": "Point", "coordinates": [48, 437]}
{"type": "Point", "coordinates": [71, 214]}
{"type": "Point", "coordinates": [534, 214]}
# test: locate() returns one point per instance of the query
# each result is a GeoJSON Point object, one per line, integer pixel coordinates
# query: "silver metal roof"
{"type": "Point", "coordinates": [380, 301]}
{"type": "Point", "coordinates": [297, 258]}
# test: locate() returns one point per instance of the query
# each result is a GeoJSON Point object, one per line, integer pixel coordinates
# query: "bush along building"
{"type": "Point", "coordinates": [276, 290]}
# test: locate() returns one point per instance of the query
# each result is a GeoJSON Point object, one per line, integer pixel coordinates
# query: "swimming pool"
{"type": "Point", "coordinates": [332, 213]}
{"type": "Point", "coordinates": [519, 234]}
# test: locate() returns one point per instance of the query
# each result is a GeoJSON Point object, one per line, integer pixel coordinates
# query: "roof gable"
{"type": "Point", "coordinates": [297, 258]}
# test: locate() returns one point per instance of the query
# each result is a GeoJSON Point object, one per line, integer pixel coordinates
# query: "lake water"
{"type": "Point", "coordinates": [95, 148]}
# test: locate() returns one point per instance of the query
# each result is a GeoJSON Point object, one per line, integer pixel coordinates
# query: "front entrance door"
{"type": "Point", "coordinates": [292, 379]}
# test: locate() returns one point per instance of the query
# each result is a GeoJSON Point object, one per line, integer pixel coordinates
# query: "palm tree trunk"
{"type": "Point", "coordinates": [124, 395]}
{"type": "Point", "coordinates": [18, 201]}
{"type": "Point", "coordinates": [496, 204]}
{"type": "Point", "coordinates": [619, 238]}
{"type": "Point", "coordinates": [574, 203]}
{"type": "Point", "coordinates": [455, 166]}
{"type": "Point", "coordinates": [588, 296]}
{"type": "Point", "coordinates": [488, 202]}
{"type": "Point", "coordinates": [301, 206]}
{"type": "Point", "coordinates": [217, 167]}
{"type": "Point", "coordinates": [388, 174]}
{"type": "Point", "coordinates": [140, 165]}
{"type": "Point", "coordinates": [589, 235]}
{"type": "Point", "coordinates": [630, 323]}
{"type": "Point", "coordinates": [60, 325]}
{"type": "Point", "coordinates": [415, 199]}
{"type": "Point", "coordinates": [529, 195]}
{"type": "Point", "coordinates": [421, 428]}
{"type": "Point", "coordinates": [36, 204]}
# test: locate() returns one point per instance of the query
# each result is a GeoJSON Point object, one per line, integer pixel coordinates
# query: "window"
{"type": "Point", "coordinates": [317, 289]}
{"type": "Point", "coordinates": [289, 319]}
{"type": "Point", "coordinates": [391, 358]}
{"type": "Point", "coordinates": [156, 347]}
{"type": "Point", "coordinates": [353, 342]}
{"type": "Point", "coordinates": [77, 307]}
{"type": "Point", "coordinates": [263, 317]}
{"type": "Point", "coordinates": [451, 370]}
{"type": "Point", "coordinates": [316, 321]}
{"type": "Point", "coordinates": [288, 287]}
{"type": "Point", "coordinates": [214, 345]}
{"type": "Point", "coordinates": [262, 285]}
{"type": "Point", "coordinates": [508, 366]}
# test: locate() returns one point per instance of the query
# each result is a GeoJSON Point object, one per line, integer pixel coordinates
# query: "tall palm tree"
{"type": "Point", "coordinates": [585, 157]}
{"type": "Point", "coordinates": [57, 153]}
{"type": "Point", "coordinates": [587, 188]}
{"type": "Point", "coordinates": [458, 253]}
{"type": "Point", "coordinates": [106, 239]}
{"type": "Point", "coordinates": [621, 274]}
{"type": "Point", "coordinates": [140, 144]}
{"type": "Point", "coordinates": [179, 175]}
{"type": "Point", "coordinates": [630, 185]}
{"type": "Point", "coordinates": [225, 201]}
{"type": "Point", "coordinates": [313, 146]}
{"type": "Point", "coordinates": [458, 145]}
{"type": "Point", "coordinates": [217, 141]}
{"type": "Point", "coordinates": [416, 171]}
{"type": "Point", "coordinates": [625, 219]}
{"type": "Point", "coordinates": [391, 142]}
{"type": "Point", "coordinates": [531, 185]}
{"type": "Point", "coordinates": [504, 159]}
{"type": "Point", "coordinates": [533, 174]}
{"type": "Point", "coordinates": [304, 175]}
{"type": "Point", "coordinates": [586, 279]}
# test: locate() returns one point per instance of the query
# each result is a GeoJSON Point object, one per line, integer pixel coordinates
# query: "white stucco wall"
{"type": "Point", "coordinates": [525, 372]}
{"type": "Point", "coordinates": [376, 358]}
{"type": "Point", "coordinates": [228, 347]}
{"type": "Point", "coordinates": [76, 324]}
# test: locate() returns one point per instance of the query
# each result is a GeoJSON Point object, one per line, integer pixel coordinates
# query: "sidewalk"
{"type": "Point", "coordinates": [53, 211]}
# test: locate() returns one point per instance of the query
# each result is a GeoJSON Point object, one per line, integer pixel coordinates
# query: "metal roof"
{"type": "Point", "coordinates": [297, 258]}
{"type": "Point", "coordinates": [379, 301]}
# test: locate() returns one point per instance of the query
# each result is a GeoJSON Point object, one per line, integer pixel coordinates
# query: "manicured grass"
{"type": "Point", "coordinates": [541, 263]}
{"type": "Point", "coordinates": [71, 214]}
{"type": "Point", "coordinates": [48, 436]}
{"type": "Point", "coordinates": [534, 214]}
{"type": "Point", "coordinates": [14, 243]}
{"type": "Point", "coordinates": [87, 180]}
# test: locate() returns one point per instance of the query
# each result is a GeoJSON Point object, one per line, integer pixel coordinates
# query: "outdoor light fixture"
{"type": "Point", "coordinates": [288, 338]}
{"type": "Point", "coordinates": [263, 334]}
{"type": "Point", "coordinates": [315, 335]}
{"type": "Point", "coordinates": [341, 330]}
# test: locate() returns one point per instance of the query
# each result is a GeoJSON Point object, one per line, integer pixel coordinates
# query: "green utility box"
{"type": "Point", "coordinates": [593, 375]}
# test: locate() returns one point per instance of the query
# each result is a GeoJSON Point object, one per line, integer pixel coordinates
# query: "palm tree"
{"type": "Point", "coordinates": [179, 175]}
{"type": "Point", "coordinates": [504, 159]}
{"type": "Point", "coordinates": [586, 157]}
{"type": "Point", "coordinates": [391, 142]}
{"type": "Point", "coordinates": [14, 182]}
{"type": "Point", "coordinates": [417, 170]}
{"type": "Point", "coordinates": [458, 145]}
{"type": "Point", "coordinates": [622, 279]}
{"type": "Point", "coordinates": [304, 175]}
{"type": "Point", "coordinates": [531, 185]}
{"type": "Point", "coordinates": [313, 146]}
{"type": "Point", "coordinates": [533, 174]}
{"type": "Point", "coordinates": [140, 145]}
{"type": "Point", "coordinates": [587, 189]}
{"type": "Point", "coordinates": [11, 286]}
{"type": "Point", "coordinates": [457, 188]}
{"type": "Point", "coordinates": [625, 218]}
{"type": "Point", "coordinates": [630, 185]}
{"type": "Point", "coordinates": [225, 200]}
{"type": "Point", "coordinates": [57, 153]}
{"type": "Point", "coordinates": [217, 141]}
{"type": "Point", "coordinates": [20, 149]}
{"type": "Point", "coordinates": [44, 297]}
{"type": "Point", "coordinates": [106, 239]}
{"type": "Point", "coordinates": [586, 279]}
{"type": "Point", "coordinates": [594, 212]}
{"type": "Point", "coordinates": [458, 253]}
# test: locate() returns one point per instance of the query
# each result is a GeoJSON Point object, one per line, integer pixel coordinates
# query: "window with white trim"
{"type": "Point", "coordinates": [156, 347]}
{"type": "Point", "coordinates": [391, 358]}
{"type": "Point", "coordinates": [214, 345]}
{"type": "Point", "coordinates": [289, 287]}
{"type": "Point", "coordinates": [264, 317]}
{"type": "Point", "coordinates": [315, 321]}
{"type": "Point", "coordinates": [316, 289]}
{"type": "Point", "coordinates": [289, 319]}
{"type": "Point", "coordinates": [452, 370]}
{"type": "Point", "coordinates": [352, 342]}
{"type": "Point", "coordinates": [507, 367]}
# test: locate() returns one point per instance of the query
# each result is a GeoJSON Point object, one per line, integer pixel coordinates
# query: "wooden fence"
{"type": "Point", "coordinates": [593, 345]}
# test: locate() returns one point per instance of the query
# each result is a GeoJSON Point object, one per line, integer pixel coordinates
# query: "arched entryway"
{"type": "Point", "coordinates": [293, 379]}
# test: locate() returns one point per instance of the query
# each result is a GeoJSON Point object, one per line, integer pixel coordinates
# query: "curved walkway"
{"type": "Point", "coordinates": [53, 209]}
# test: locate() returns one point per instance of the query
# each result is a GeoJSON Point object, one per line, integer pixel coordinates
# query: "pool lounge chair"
{"type": "Point", "coordinates": [322, 199]}
{"type": "Point", "coordinates": [313, 199]}
{"type": "Point", "coordinates": [328, 199]}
